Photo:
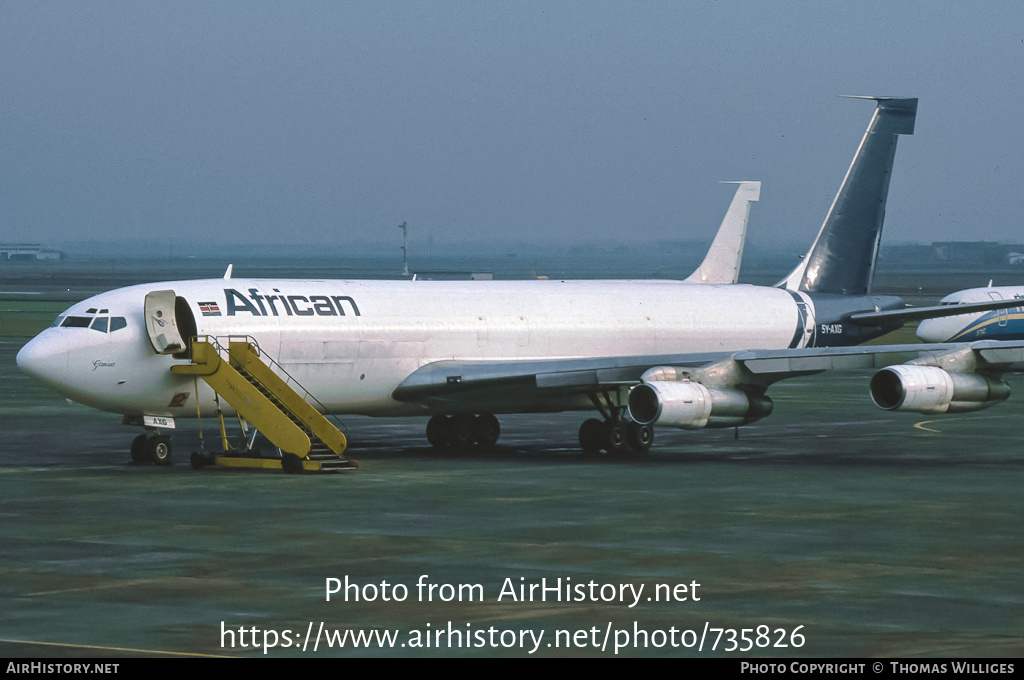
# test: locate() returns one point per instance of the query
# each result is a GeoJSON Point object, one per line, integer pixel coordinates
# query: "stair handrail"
{"type": "Point", "coordinates": [307, 396]}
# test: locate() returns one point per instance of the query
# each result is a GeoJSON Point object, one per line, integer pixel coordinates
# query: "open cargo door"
{"type": "Point", "coordinates": [160, 322]}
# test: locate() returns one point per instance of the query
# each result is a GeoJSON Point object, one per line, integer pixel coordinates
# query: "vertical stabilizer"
{"type": "Point", "coordinates": [722, 263]}
{"type": "Point", "coordinates": [842, 259]}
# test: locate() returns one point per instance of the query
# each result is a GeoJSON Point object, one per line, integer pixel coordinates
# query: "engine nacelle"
{"type": "Point", "coordinates": [929, 389]}
{"type": "Point", "coordinates": [691, 406]}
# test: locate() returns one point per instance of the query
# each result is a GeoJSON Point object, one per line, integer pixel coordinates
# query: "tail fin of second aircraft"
{"type": "Point", "coordinates": [842, 259]}
{"type": "Point", "coordinates": [722, 263]}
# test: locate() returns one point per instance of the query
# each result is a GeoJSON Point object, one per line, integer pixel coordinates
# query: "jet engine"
{"type": "Point", "coordinates": [929, 389]}
{"type": "Point", "coordinates": [690, 405]}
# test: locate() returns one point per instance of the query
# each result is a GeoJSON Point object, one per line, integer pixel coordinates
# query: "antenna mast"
{"type": "Point", "coordinates": [405, 250]}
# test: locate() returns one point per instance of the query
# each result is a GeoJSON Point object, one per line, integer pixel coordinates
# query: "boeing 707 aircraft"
{"type": "Point", "coordinates": [280, 353]}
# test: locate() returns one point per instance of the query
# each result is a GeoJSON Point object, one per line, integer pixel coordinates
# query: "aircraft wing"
{"type": "Point", "coordinates": [448, 378]}
{"type": "Point", "coordinates": [919, 313]}
{"type": "Point", "coordinates": [543, 385]}
{"type": "Point", "coordinates": [564, 384]}
{"type": "Point", "coordinates": [991, 355]}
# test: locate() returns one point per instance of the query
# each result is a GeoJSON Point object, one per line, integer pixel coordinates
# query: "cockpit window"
{"type": "Point", "coordinates": [103, 324]}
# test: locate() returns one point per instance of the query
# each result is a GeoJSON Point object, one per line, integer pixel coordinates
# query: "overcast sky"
{"type": "Point", "coordinates": [291, 122]}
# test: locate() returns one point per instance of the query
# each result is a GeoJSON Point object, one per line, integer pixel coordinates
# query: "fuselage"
{"type": "Point", "coordinates": [350, 343]}
{"type": "Point", "coordinates": [1001, 324]}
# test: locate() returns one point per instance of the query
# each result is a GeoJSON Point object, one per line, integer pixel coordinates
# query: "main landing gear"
{"type": "Point", "coordinates": [155, 449]}
{"type": "Point", "coordinates": [617, 433]}
{"type": "Point", "coordinates": [615, 436]}
{"type": "Point", "coordinates": [461, 432]}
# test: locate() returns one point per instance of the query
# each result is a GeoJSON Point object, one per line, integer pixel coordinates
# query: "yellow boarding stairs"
{"type": "Point", "coordinates": [307, 440]}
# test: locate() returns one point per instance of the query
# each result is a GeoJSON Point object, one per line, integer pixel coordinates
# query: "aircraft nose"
{"type": "Point", "coordinates": [930, 331]}
{"type": "Point", "coordinates": [45, 357]}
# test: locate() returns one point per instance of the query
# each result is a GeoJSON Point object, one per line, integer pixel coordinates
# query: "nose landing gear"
{"type": "Point", "coordinates": [155, 449]}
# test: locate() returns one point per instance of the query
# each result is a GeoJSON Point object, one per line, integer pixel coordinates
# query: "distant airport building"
{"type": "Point", "coordinates": [971, 252]}
{"type": "Point", "coordinates": [444, 275]}
{"type": "Point", "coordinates": [28, 252]}
{"type": "Point", "coordinates": [955, 253]}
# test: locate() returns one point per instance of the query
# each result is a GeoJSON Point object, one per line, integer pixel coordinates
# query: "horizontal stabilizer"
{"type": "Point", "coordinates": [894, 316]}
{"type": "Point", "coordinates": [901, 112]}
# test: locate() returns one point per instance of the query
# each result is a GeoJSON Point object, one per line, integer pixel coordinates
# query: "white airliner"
{"type": "Point", "coordinates": [998, 324]}
{"type": "Point", "coordinates": [642, 353]}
